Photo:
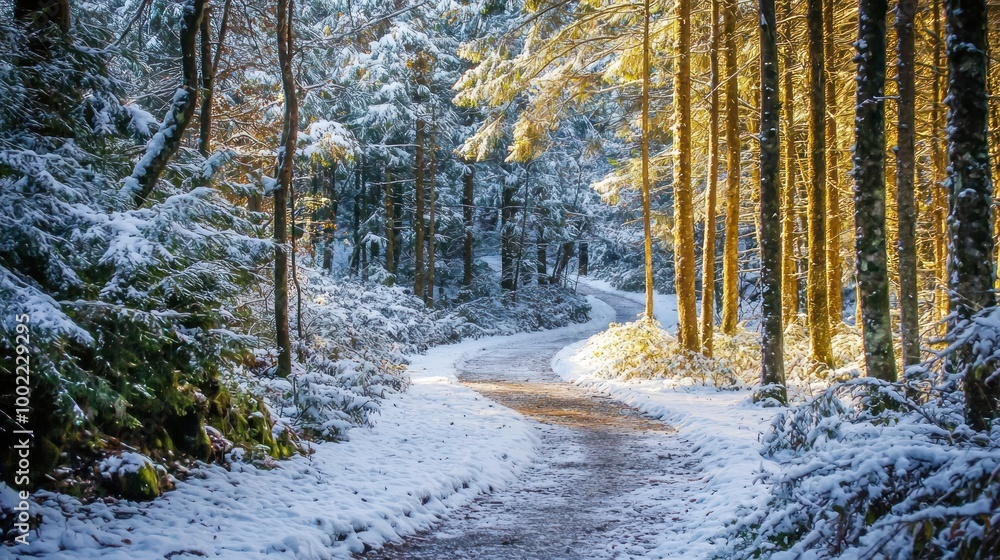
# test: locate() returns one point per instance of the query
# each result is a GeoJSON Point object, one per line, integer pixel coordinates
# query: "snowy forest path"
{"type": "Point", "coordinates": [588, 494]}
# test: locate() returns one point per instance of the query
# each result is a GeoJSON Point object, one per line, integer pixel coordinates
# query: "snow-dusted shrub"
{"type": "Point", "coordinates": [806, 376]}
{"type": "Point", "coordinates": [642, 349]}
{"type": "Point", "coordinates": [885, 470]}
{"type": "Point", "coordinates": [536, 307]}
{"type": "Point", "coordinates": [357, 336]}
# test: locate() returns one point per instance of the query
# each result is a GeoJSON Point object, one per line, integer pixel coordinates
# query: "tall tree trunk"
{"type": "Point", "coordinates": [418, 217]}
{"type": "Point", "coordinates": [647, 213]}
{"type": "Point", "coordinates": [772, 341]}
{"type": "Point", "coordinates": [939, 156]}
{"type": "Point", "coordinates": [790, 303]}
{"type": "Point", "coordinates": [209, 69]}
{"type": "Point", "coordinates": [970, 223]}
{"type": "Point", "coordinates": [684, 264]}
{"type": "Point", "coordinates": [207, 85]}
{"type": "Point", "coordinates": [429, 297]}
{"type": "Point", "coordinates": [816, 285]}
{"type": "Point", "coordinates": [834, 272]}
{"type": "Point", "coordinates": [356, 234]}
{"type": "Point", "coordinates": [730, 252]}
{"type": "Point", "coordinates": [167, 139]}
{"type": "Point", "coordinates": [507, 214]}
{"type": "Point", "coordinates": [330, 228]}
{"type": "Point", "coordinates": [708, 252]}
{"type": "Point", "coordinates": [390, 228]}
{"type": "Point", "coordinates": [541, 256]}
{"type": "Point", "coordinates": [869, 191]}
{"type": "Point", "coordinates": [583, 259]}
{"type": "Point", "coordinates": [909, 313]}
{"type": "Point", "coordinates": [468, 178]}
{"type": "Point", "coordinates": [283, 177]}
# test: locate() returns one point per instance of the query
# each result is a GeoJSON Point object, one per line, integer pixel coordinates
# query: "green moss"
{"type": "Point", "coordinates": [140, 485]}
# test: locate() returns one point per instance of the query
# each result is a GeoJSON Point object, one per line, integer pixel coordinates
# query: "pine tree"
{"type": "Point", "coordinates": [468, 207]}
{"type": "Point", "coordinates": [970, 223]}
{"type": "Point", "coordinates": [905, 161]}
{"type": "Point", "coordinates": [816, 284]}
{"type": "Point", "coordinates": [730, 255]}
{"type": "Point", "coordinates": [168, 138]}
{"type": "Point", "coordinates": [790, 303]}
{"type": "Point", "coordinates": [869, 191]}
{"type": "Point", "coordinates": [708, 253]}
{"type": "Point", "coordinates": [283, 183]}
{"type": "Point", "coordinates": [772, 343]}
{"type": "Point", "coordinates": [647, 225]}
{"type": "Point", "coordinates": [684, 264]}
{"type": "Point", "coordinates": [939, 161]}
{"type": "Point", "coordinates": [834, 270]}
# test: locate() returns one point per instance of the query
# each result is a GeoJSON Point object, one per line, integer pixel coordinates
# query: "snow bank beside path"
{"type": "Point", "coordinates": [723, 428]}
{"type": "Point", "coordinates": [434, 448]}
{"type": "Point", "coordinates": [664, 305]}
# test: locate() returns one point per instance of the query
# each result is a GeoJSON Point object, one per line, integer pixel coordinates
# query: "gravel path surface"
{"type": "Point", "coordinates": [590, 493]}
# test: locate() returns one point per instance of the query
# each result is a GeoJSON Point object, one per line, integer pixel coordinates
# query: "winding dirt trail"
{"type": "Point", "coordinates": [588, 496]}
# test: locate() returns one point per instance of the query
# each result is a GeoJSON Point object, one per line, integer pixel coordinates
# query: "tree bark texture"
{"type": "Point", "coordinates": [730, 252]}
{"type": "Point", "coordinates": [167, 139]}
{"type": "Point", "coordinates": [708, 250]}
{"type": "Point", "coordinates": [816, 281]}
{"type": "Point", "coordinates": [834, 270]}
{"type": "Point", "coordinates": [971, 268]}
{"type": "Point", "coordinates": [769, 227]}
{"type": "Point", "coordinates": [684, 263]}
{"type": "Point", "coordinates": [647, 220]}
{"type": "Point", "coordinates": [284, 172]}
{"type": "Point", "coordinates": [906, 210]}
{"type": "Point", "coordinates": [869, 191]}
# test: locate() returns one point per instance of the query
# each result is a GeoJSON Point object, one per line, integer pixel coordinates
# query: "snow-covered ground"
{"type": "Point", "coordinates": [434, 448]}
{"type": "Point", "coordinates": [722, 427]}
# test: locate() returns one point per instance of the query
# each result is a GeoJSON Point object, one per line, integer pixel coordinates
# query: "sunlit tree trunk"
{"type": "Point", "coordinates": [816, 284]}
{"type": "Point", "coordinates": [939, 156]}
{"type": "Point", "coordinates": [284, 170]}
{"type": "Point", "coordinates": [790, 303]}
{"type": "Point", "coordinates": [869, 191]}
{"type": "Point", "coordinates": [647, 227]}
{"type": "Point", "coordinates": [708, 252]}
{"type": "Point", "coordinates": [905, 203]}
{"type": "Point", "coordinates": [970, 224]}
{"type": "Point", "coordinates": [834, 271]}
{"type": "Point", "coordinates": [769, 227]}
{"type": "Point", "coordinates": [730, 256]}
{"type": "Point", "coordinates": [684, 263]}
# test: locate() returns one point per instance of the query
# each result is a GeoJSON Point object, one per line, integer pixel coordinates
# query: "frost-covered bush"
{"type": "Point", "coordinates": [536, 307]}
{"type": "Point", "coordinates": [357, 336]}
{"type": "Point", "coordinates": [872, 469]}
{"type": "Point", "coordinates": [642, 349]}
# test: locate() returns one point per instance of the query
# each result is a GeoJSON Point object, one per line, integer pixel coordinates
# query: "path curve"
{"type": "Point", "coordinates": [597, 459]}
